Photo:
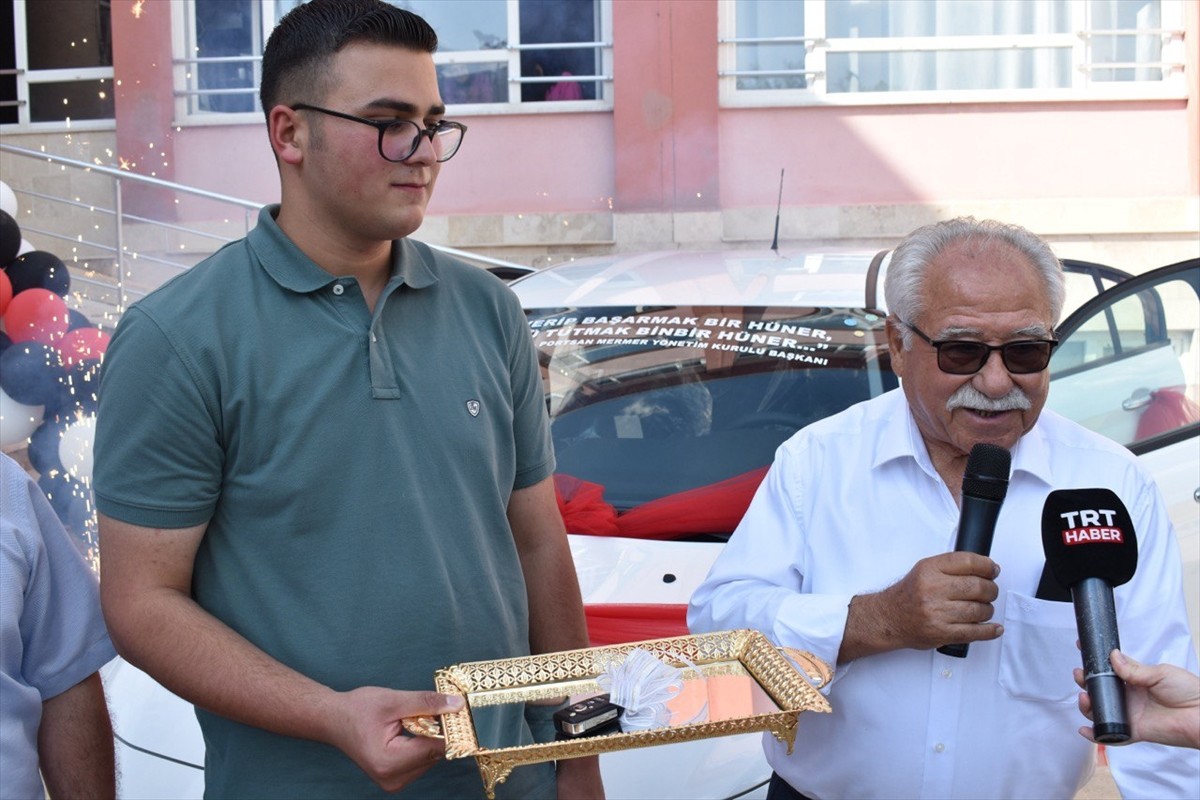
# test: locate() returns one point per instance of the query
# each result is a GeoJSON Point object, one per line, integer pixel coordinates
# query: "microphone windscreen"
{"type": "Point", "coordinates": [1087, 533]}
{"type": "Point", "coordinates": [986, 475]}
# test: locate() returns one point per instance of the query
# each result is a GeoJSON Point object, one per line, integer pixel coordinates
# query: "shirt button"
{"type": "Point", "coordinates": [338, 289]}
{"type": "Point", "coordinates": [946, 673]}
{"type": "Point", "coordinates": [939, 748]}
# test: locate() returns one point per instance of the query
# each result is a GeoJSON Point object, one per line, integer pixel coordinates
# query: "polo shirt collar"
{"type": "Point", "coordinates": [292, 269]}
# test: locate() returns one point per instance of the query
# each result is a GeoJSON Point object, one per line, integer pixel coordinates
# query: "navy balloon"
{"type": "Point", "coordinates": [10, 238]}
{"type": "Point", "coordinates": [5, 342]}
{"type": "Point", "coordinates": [38, 269]}
{"type": "Point", "coordinates": [29, 373]}
{"type": "Point", "coordinates": [78, 387]}
{"type": "Point", "coordinates": [43, 445]}
{"type": "Point", "coordinates": [77, 319]}
{"type": "Point", "coordinates": [71, 501]}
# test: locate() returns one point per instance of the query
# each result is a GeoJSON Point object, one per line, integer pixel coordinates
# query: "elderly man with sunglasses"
{"type": "Point", "coordinates": [845, 552]}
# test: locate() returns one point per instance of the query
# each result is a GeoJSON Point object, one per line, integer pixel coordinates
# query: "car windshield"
{"type": "Point", "coordinates": [665, 418]}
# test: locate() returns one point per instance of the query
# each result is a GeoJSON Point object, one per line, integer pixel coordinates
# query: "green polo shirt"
{"type": "Point", "coordinates": [354, 472]}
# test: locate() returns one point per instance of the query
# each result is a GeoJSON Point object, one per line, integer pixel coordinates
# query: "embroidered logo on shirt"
{"type": "Point", "coordinates": [473, 408]}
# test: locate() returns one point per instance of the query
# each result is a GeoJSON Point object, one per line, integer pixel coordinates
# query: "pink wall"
{"type": "Point", "coordinates": [838, 155]}
{"type": "Point", "coordinates": [141, 41]}
{"type": "Point", "coordinates": [831, 155]}
{"type": "Point", "coordinates": [508, 164]}
{"type": "Point", "coordinates": [665, 106]}
{"type": "Point", "coordinates": [231, 159]}
{"type": "Point", "coordinates": [667, 146]}
{"type": "Point", "coordinates": [529, 164]}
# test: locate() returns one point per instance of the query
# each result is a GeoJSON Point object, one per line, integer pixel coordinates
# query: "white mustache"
{"type": "Point", "coordinates": [968, 396]}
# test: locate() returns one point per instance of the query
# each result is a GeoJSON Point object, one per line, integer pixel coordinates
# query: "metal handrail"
{"type": "Point", "coordinates": [133, 177]}
{"type": "Point", "coordinates": [118, 250]}
{"type": "Point", "coordinates": [119, 218]}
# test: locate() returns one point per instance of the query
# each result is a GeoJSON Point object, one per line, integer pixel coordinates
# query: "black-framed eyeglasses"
{"type": "Point", "coordinates": [400, 138]}
{"type": "Point", "coordinates": [959, 357]}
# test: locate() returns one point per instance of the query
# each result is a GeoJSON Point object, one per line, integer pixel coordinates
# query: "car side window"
{"type": "Point", "coordinates": [1127, 365]}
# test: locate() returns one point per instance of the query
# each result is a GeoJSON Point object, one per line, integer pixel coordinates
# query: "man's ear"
{"type": "Point", "coordinates": [895, 337]}
{"type": "Point", "coordinates": [287, 134]}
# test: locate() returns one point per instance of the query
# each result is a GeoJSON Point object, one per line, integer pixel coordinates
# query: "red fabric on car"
{"type": "Point", "coordinates": [715, 508]}
{"type": "Point", "coordinates": [1169, 409]}
{"type": "Point", "coordinates": [582, 506]}
{"type": "Point", "coordinates": [617, 623]}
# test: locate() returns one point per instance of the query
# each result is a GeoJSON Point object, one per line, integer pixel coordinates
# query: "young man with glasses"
{"type": "Point", "coordinates": [323, 463]}
{"type": "Point", "coordinates": [845, 552]}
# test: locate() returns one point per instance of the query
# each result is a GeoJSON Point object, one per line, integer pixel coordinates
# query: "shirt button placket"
{"type": "Point", "coordinates": [945, 692]}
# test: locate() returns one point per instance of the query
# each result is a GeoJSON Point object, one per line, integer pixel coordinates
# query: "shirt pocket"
{"type": "Point", "coordinates": [1037, 650]}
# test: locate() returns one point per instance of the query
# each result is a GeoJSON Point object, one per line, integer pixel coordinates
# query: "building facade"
{"type": "Point", "coordinates": [602, 125]}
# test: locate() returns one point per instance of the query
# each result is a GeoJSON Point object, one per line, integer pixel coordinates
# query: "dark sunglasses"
{"type": "Point", "coordinates": [958, 357]}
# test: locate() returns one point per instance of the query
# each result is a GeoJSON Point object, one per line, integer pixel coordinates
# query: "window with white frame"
{"type": "Point", "coordinates": [56, 63]}
{"type": "Point", "coordinates": [493, 55]}
{"type": "Point", "coordinates": [920, 51]}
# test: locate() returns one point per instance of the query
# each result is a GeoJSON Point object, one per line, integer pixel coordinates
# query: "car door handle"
{"type": "Point", "coordinates": [1139, 399]}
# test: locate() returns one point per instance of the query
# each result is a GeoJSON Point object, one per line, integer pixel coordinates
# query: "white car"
{"type": "Point", "coordinates": [671, 378]}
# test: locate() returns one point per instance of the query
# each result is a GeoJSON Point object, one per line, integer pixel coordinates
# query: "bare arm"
{"type": "Point", "coordinates": [145, 592]}
{"type": "Point", "coordinates": [556, 619]}
{"type": "Point", "coordinates": [943, 599]}
{"type": "Point", "coordinates": [75, 743]}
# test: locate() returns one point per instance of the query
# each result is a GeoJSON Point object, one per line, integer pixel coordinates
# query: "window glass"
{"type": "Point", "coordinates": [225, 29]}
{"type": "Point", "coordinates": [488, 50]}
{"type": "Point", "coordinates": [879, 46]}
{"type": "Point", "coordinates": [8, 67]}
{"type": "Point", "coordinates": [1130, 370]}
{"type": "Point", "coordinates": [463, 25]}
{"type": "Point", "coordinates": [922, 70]}
{"type": "Point", "coordinates": [559, 23]}
{"type": "Point", "coordinates": [75, 100]}
{"type": "Point", "coordinates": [473, 83]}
{"type": "Point", "coordinates": [757, 20]}
{"type": "Point", "coordinates": [59, 35]}
{"type": "Point", "coordinates": [1119, 44]}
{"type": "Point", "coordinates": [870, 18]}
{"type": "Point", "coordinates": [650, 402]}
{"type": "Point", "coordinates": [63, 34]}
{"type": "Point", "coordinates": [1043, 68]}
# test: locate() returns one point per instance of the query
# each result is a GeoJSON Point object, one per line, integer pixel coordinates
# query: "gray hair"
{"type": "Point", "coordinates": [903, 286]}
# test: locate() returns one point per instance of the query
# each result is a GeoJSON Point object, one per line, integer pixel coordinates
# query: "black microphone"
{"type": "Point", "coordinates": [984, 485]}
{"type": "Point", "coordinates": [1091, 547]}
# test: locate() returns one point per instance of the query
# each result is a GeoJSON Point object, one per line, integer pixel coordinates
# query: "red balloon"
{"type": "Point", "coordinates": [82, 344]}
{"type": "Point", "coordinates": [5, 292]}
{"type": "Point", "coordinates": [38, 315]}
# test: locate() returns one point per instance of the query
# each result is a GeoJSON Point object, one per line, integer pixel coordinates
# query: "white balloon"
{"type": "Point", "coordinates": [17, 420]}
{"type": "Point", "coordinates": [75, 448]}
{"type": "Point", "coordinates": [8, 199]}
{"type": "Point", "coordinates": [25, 247]}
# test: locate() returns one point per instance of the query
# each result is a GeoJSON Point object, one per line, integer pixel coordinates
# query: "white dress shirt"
{"type": "Point", "coordinates": [850, 504]}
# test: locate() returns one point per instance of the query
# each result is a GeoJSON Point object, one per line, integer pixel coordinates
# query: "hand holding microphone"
{"type": "Point", "coordinates": [1091, 547]}
{"type": "Point", "coordinates": [985, 483]}
{"type": "Point", "coordinates": [946, 596]}
{"type": "Point", "coordinates": [1163, 700]}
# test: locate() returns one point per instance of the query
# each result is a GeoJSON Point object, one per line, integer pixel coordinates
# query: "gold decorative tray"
{"type": "Point", "coordinates": [733, 682]}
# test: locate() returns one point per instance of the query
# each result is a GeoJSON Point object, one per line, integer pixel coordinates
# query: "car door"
{"type": "Point", "coordinates": [1126, 367]}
